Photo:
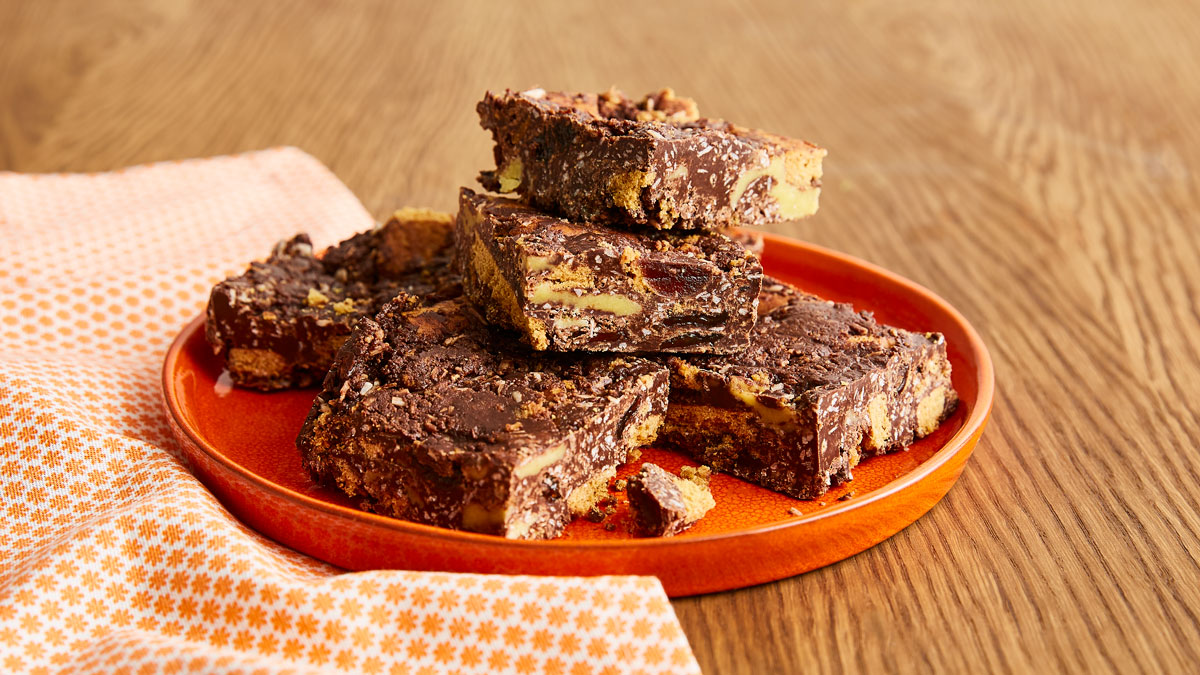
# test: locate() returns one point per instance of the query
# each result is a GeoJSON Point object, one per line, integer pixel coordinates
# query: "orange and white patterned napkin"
{"type": "Point", "coordinates": [113, 558]}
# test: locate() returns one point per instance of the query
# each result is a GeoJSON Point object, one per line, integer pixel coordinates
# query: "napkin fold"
{"type": "Point", "coordinates": [113, 558]}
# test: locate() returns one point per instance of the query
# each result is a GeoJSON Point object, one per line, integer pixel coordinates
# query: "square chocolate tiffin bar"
{"type": "Point", "coordinates": [431, 415]}
{"type": "Point", "coordinates": [280, 323]}
{"type": "Point", "coordinates": [819, 387]}
{"type": "Point", "coordinates": [580, 287]}
{"type": "Point", "coordinates": [653, 162]}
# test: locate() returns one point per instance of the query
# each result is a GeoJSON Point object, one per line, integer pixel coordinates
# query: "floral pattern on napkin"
{"type": "Point", "coordinates": [115, 559]}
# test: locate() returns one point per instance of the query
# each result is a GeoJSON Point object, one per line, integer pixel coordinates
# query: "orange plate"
{"type": "Point", "coordinates": [241, 444]}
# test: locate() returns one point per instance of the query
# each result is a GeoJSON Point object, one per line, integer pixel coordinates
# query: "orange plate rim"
{"type": "Point", "coordinates": [972, 425]}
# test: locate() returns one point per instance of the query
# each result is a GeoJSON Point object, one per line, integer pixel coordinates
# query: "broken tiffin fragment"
{"type": "Point", "coordinates": [655, 162]}
{"type": "Point", "coordinates": [430, 415]}
{"type": "Point", "coordinates": [664, 504]}
{"type": "Point", "coordinates": [280, 323]}
{"type": "Point", "coordinates": [581, 287]}
{"type": "Point", "coordinates": [819, 387]}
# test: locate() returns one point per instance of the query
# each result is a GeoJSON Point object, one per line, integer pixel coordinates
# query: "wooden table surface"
{"type": "Point", "coordinates": [1032, 162]}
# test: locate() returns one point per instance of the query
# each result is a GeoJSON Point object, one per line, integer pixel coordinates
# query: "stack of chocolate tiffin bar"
{"type": "Point", "coordinates": [491, 371]}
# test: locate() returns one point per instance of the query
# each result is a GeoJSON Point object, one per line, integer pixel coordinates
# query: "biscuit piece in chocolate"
{"type": "Point", "coordinates": [574, 286]}
{"type": "Point", "coordinates": [664, 504]}
{"type": "Point", "coordinates": [819, 387]}
{"type": "Point", "coordinates": [280, 323]}
{"type": "Point", "coordinates": [429, 414]}
{"type": "Point", "coordinates": [654, 162]}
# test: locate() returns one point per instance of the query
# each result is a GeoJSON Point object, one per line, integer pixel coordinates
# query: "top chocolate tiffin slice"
{"type": "Point", "coordinates": [654, 162]}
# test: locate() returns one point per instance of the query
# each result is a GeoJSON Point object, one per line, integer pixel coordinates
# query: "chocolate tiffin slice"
{"type": "Point", "coordinates": [644, 162]}
{"type": "Point", "coordinates": [570, 286]}
{"type": "Point", "coordinates": [281, 322]}
{"type": "Point", "coordinates": [430, 415]}
{"type": "Point", "coordinates": [820, 387]}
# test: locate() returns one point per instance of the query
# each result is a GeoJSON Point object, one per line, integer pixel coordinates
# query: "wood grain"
{"type": "Point", "coordinates": [1035, 163]}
